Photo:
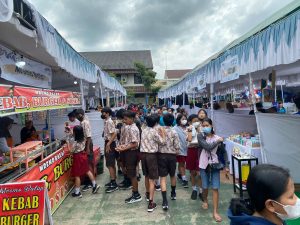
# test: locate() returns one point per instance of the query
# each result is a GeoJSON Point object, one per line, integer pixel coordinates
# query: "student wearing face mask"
{"type": "Point", "coordinates": [180, 129]}
{"type": "Point", "coordinates": [272, 198]}
{"type": "Point", "coordinates": [164, 112]}
{"type": "Point", "coordinates": [192, 160]}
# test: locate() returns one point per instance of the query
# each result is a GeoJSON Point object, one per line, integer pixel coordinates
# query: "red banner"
{"type": "Point", "coordinates": [23, 99]}
{"type": "Point", "coordinates": [22, 203]}
{"type": "Point", "coordinates": [55, 170]}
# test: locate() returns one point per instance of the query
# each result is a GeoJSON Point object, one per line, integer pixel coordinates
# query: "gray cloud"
{"type": "Point", "coordinates": [185, 32]}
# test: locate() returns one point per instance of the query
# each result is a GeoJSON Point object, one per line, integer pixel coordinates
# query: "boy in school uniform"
{"type": "Point", "coordinates": [130, 149]}
{"type": "Point", "coordinates": [151, 138]}
{"type": "Point", "coordinates": [111, 155]}
{"type": "Point", "coordinates": [167, 159]}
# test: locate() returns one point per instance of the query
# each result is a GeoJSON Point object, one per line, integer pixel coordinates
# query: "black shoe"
{"type": "Point", "coordinates": [86, 187]}
{"type": "Point", "coordinates": [96, 189]}
{"type": "Point", "coordinates": [147, 196]}
{"type": "Point", "coordinates": [185, 183]}
{"type": "Point", "coordinates": [79, 195]}
{"type": "Point", "coordinates": [151, 206]}
{"type": "Point", "coordinates": [133, 199]}
{"type": "Point", "coordinates": [112, 188]}
{"type": "Point", "coordinates": [201, 196]}
{"type": "Point", "coordinates": [194, 195]}
{"type": "Point", "coordinates": [165, 205]}
{"type": "Point", "coordinates": [157, 188]}
{"type": "Point", "coordinates": [179, 177]}
{"type": "Point", "coordinates": [108, 184]}
{"type": "Point", "coordinates": [173, 196]}
{"type": "Point", "coordinates": [120, 173]}
{"type": "Point", "coordinates": [125, 185]}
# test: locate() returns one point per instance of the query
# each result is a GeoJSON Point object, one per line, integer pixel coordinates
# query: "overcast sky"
{"type": "Point", "coordinates": [180, 33]}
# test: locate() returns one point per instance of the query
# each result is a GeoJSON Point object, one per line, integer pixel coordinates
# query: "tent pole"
{"type": "Point", "coordinates": [82, 95]}
{"type": "Point", "coordinates": [282, 93]}
{"type": "Point", "coordinates": [102, 100]}
{"type": "Point", "coordinates": [212, 101]}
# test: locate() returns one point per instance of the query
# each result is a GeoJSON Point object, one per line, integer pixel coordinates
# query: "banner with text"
{"type": "Point", "coordinates": [23, 203]}
{"type": "Point", "coordinates": [15, 99]}
{"type": "Point", "coordinates": [229, 69]}
{"type": "Point", "coordinates": [55, 170]}
{"type": "Point", "coordinates": [32, 73]}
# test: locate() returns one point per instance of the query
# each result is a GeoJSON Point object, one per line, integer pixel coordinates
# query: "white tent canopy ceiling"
{"type": "Point", "coordinates": [42, 41]}
{"type": "Point", "coordinates": [275, 45]}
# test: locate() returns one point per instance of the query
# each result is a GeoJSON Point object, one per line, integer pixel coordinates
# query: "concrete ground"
{"type": "Point", "coordinates": [110, 209]}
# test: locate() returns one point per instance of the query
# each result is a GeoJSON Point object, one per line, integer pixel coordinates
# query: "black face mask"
{"type": "Point", "coordinates": [103, 117]}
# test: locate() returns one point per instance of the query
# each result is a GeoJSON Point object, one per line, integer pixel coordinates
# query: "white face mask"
{"type": "Point", "coordinates": [196, 124]}
{"type": "Point", "coordinates": [183, 122]}
{"type": "Point", "coordinates": [292, 211]}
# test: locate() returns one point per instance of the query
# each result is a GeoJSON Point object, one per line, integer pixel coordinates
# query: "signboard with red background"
{"type": "Point", "coordinates": [23, 203]}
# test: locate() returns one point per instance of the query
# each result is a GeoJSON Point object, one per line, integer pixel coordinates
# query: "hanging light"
{"type": "Point", "coordinates": [75, 82]}
{"type": "Point", "coordinates": [20, 62]}
{"type": "Point", "coordinates": [94, 86]}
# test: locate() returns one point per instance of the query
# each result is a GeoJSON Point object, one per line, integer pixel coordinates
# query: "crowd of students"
{"type": "Point", "coordinates": [165, 141]}
{"type": "Point", "coordinates": [161, 138]}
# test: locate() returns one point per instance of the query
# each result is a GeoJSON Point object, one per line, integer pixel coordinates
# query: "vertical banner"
{"type": "Point", "coordinates": [229, 69]}
{"type": "Point", "coordinates": [23, 203]}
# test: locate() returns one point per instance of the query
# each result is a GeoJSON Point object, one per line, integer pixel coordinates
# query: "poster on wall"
{"type": "Point", "coordinates": [32, 73]}
{"type": "Point", "coordinates": [24, 203]}
{"type": "Point", "coordinates": [229, 69]}
{"type": "Point", "coordinates": [55, 170]}
{"type": "Point", "coordinates": [15, 99]}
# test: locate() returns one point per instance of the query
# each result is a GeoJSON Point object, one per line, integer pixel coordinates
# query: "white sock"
{"type": "Point", "coordinates": [157, 182]}
{"type": "Point", "coordinates": [195, 188]}
{"type": "Point", "coordinates": [94, 183]}
{"type": "Point", "coordinates": [77, 190]}
{"type": "Point", "coordinates": [200, 189]}
{"type": "Point", "coordinates": [184, 178]}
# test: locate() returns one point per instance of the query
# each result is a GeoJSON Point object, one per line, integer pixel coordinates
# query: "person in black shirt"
{"type": "Point", "coordinates": [28, 133]}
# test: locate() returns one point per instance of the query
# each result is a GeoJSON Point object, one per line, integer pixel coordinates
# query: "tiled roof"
{"type": "Point", "coordinates": [175, 74]}
{"type": "Point", "coordinates": [116, 60]}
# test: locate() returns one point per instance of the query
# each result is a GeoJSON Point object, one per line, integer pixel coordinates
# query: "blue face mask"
{"type": "Point", "coordinates": [206, 130]}
{"type": "Point", "coordinates": [165, 112]}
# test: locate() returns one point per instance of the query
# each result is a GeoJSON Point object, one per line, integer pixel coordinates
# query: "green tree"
{"type": "Point", "coordinates": [147, 76]}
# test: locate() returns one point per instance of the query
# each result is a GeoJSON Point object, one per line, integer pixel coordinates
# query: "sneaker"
{"type": "Point", "coordinates": [151, 206]}
{"type": "Point", "coordinates": [108, 184]}
{"type": "Point", "coordinates": [185, 183]}
{"type": "Point", "coordinates": [133, 199]}
{"type": "Point", "coordinates": [79, 195]}
{"type": "Point", "coordinates": [157, 188]}
{"type": "Point", "coordinates": [125, 185]}
{"type": "Point", "coordinates": [179, 177]}
{"type": "Point", "coordinates": [147, 196]}
{"type": "Point", "coordinates": [201, 197]}
{"type": "Point", "coordinates": [165, 205]}
{"type": "Point", "coordinates": [96, 189]}
{"type": "Point", "coordinates": [173, 196]}
{"type": "Point", "coordinates": [86, 187]}
{"type": "Point", "coordinates": [194, 195]}
{"type": "Point", "coordinates": [112, 188]}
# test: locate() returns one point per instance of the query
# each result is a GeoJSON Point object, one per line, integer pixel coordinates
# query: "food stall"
{"type": "Point", "coordinates": [48, 159]}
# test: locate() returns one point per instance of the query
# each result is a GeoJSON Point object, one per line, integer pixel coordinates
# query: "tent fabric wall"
{"type": "Point", "coordinates": [227, 124]}
{"type": "Point", "coordinates": [6, 10]}
{"type": "Point", "coordinates": [276, 45]}
{"type": "Point", "coordinates": [280, 141]}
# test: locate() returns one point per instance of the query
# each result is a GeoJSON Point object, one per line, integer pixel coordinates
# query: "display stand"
{"type": "Point", "coordinates": [239, 160]}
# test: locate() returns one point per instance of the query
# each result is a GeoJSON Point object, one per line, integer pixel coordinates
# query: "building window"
{"type": "Point", "coordinates": [137, 79]}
